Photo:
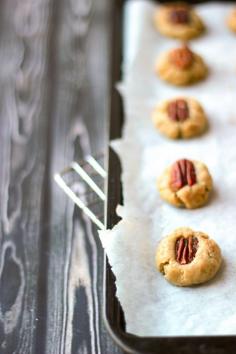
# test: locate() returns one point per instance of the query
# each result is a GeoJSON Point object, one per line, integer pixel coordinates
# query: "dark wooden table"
{"type": "Point", "coordinates": [54, 95]}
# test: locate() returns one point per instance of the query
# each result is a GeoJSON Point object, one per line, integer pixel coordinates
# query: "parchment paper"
{"type": "Point", "coordinates": [152, 306]}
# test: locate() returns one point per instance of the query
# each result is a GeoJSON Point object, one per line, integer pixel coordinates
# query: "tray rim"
{"type": "Point", "coordinates": [112, 311]}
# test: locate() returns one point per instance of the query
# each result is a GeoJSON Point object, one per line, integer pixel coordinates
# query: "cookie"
{"type": "Point", "coordinates": [187, 257]}
{"type": "Point", "coordinates": [186, 184]}
{"type": "Point", "coordinates": [178, 21]}
{"type": "Point", "coordinates": [231, 20]}
{"type": "Point", "coordinates": [180, 118]}
{"type": "Point", "coordinates": [181, 67]}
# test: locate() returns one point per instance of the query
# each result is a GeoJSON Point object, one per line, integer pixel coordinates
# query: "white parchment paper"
{"type": "Point", "coordinates": [151, 305]}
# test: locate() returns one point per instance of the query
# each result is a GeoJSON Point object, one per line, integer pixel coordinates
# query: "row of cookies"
{"type": "Point", "coordinates": [185, 257]}
{"type": "Point", "coordinates": [182, 22]}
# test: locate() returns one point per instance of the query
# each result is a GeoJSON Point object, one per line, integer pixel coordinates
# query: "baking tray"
{"type": "Point", "coordinates": [113, 314]}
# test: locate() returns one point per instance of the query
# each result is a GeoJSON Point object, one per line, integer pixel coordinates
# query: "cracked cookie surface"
{"type": "Point", "coordinates": [178, 21]}
{"type": "Point", "coordinates": [187, 257]}
{"type": "Point", "coordinates": [185, 184]}
{"type": "Point", "coordinates": [181, 67]}
{"type": "Point", "coordinates": [180, 118]}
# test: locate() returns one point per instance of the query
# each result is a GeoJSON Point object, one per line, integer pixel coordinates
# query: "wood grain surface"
{"type": "Point", "coordinates": [54, 94]}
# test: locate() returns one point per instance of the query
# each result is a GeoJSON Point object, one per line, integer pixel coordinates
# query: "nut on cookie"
{"type": "Point", "coordinates": [186, 184]}
{"type": "Point", "coordinates": [178, 21]}
{"type": "Point", "coordinates": [181, 117]}
{"type": "Point", "coordinates": [187, 257]}
{"type": "Point", "coordinates": [181, 66]}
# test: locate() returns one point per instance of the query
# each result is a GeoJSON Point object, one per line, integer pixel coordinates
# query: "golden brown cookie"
{"type": "Point", "coordinates": [187, 257]}
{"type": "Point", "coordinates": [180, 118]}
{"type": "Point", "coordinates": [178, 21]}
{"type": "Point", "coordinates": [186, 184]}
{"type": "Point", "coordinates": [231, 20]}
{"type": "Point", "coordinates": [181, 67]}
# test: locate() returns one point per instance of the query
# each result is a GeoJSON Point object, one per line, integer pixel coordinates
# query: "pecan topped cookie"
{"type": "Point", "coordinates": [181, 66]}
{"type": "Point", "coordinates": [186, 184]}
{"type": "Point", "coordinates": [181, 117]}
{"type": "Point", "coordinates": [187, 257]}
{"type": "Point", "coordinates": [178, 21]}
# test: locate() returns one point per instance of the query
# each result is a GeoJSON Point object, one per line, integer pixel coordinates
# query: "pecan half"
{"type": "Point", "coordinates": [182, 57]}
{"type": "Point", "coordinates": [186, 249]}
{"type": "Point", "coordinates": [182, 174]}
{"type": "Point", "coordinates": [178, 110]}
{"type": "Point", "coordinates": [179, 15]}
